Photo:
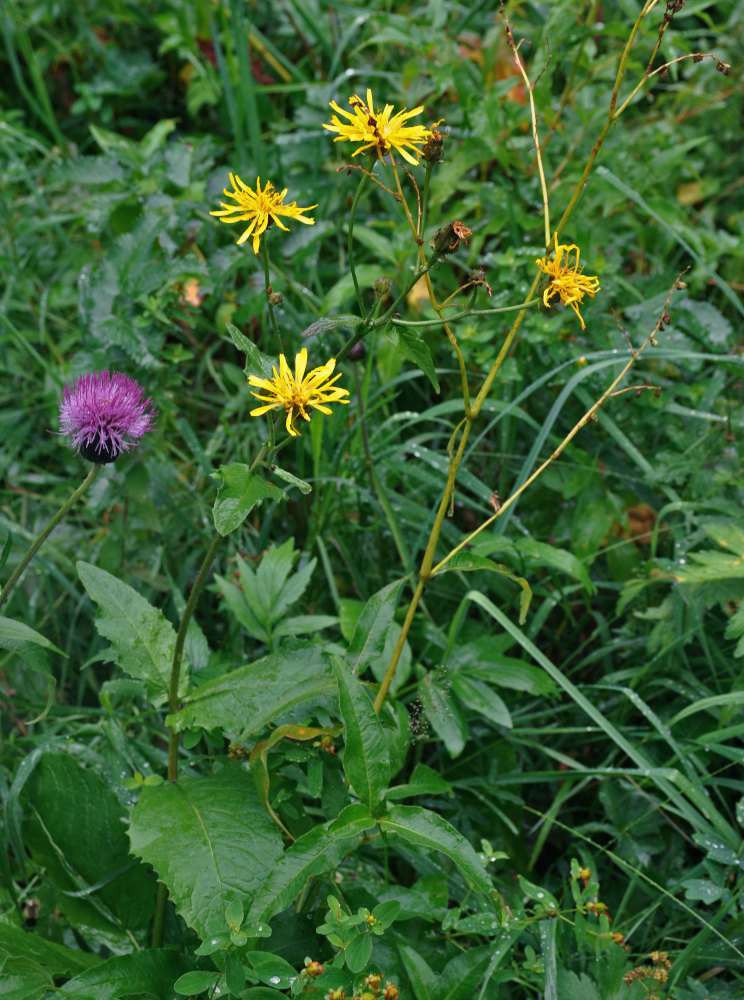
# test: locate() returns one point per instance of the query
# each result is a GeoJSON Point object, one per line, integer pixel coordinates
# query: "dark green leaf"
{"type": "Point", "coordinates": [256, 363]}
{"type": "Point", "coordinates": [315, 853]}
{"type": "Point", "coordinates": [27, 643]}
{"type": "Point", "coordinates": [479, 696]}
{"type": "Point", "coordinates": [426, 829]}
{"type": "Point", "coordinates": [365, 757]}
{"type": "Point", "coordinates": [370, 631]}
{"type": "Point", "coordinates": [142, 638]}
{"type": "Point", "coordinates": [148, 974]}
{"type": "Point", "coordinates": [246, 700]}
{"type": "Point", "coordinates": [209, 839]}
{"type": "Point", "coordinates": [470, 561]}
{"type": "Point", "coordinates": [55, 959]}
{"type": "Point", "coordinates": [414, 349]}
{"type": "Point", "coordinates": [240, 490]}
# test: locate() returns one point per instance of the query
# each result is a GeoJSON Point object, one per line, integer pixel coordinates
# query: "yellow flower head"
{"type": "Point", "coordinates": [566, 279]}
{"type": "Point", "coordinates": [299, 391]}
{"type": "Point", "coordinates": [259, 208]}
{"type": "Point", "coordinates": [376, 129]}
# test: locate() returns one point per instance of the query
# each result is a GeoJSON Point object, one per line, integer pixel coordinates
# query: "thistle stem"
{"type": "Point", "coordinates": [21, 567]}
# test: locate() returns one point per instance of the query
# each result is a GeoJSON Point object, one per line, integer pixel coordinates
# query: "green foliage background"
{"type": "Point", "coordinates": [602, 732]}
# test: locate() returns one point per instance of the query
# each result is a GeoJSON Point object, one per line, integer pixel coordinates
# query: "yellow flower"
{"type": "Point", "coordinates": [259, 207]}
{"type": "Point", "coordinates": [299, 391]}
{"type": "Point", "coordinates": [567, 280]}
{"type": "Point", "coordinates": [377, 129]}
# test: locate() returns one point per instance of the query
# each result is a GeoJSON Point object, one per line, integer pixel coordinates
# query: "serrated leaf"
{"type": "Point", "coordinates": [142, 639]}
{"type": "Point", "coordinates": [142, 974]}
{"type": "Point", "coordinates": [315, 853]}
{"type": "Point", "coordinates": [365, 758]}
{"type": "Point", "coordinates": [209, 839]}
{"type": "Point", "coordinates": [256, 363]}
{"type": "Point", "coordinates": [370, 631]}
{"type": "Point", "coordinates": [470, 561]}
{"type": "Point", "coordinates": [246, 700]}
{"type": "Point", "coordinates": [424, 828]}
{"type": "Point", "coordinates": [414, 349]}
{"type": "Point", "coordinates": [330, 323]}
{"type": "Point", "coordinates": [240, 490]}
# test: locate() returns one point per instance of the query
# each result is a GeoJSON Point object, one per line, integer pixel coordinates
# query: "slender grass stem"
{"type": "Point", "coordinates": [44, 534]}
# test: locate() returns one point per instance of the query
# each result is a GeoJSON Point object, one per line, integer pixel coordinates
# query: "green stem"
{"type": "Point", "coordinates": [20, 568]}
{"type": "Point", "coordinates": [267, 278]}
{"type": "Point", "coordinates": [175, 675]}
{"type": "Point", "coordinates": [350, 244]}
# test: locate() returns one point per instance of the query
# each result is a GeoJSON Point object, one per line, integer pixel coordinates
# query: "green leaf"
{"type": "Point", "coordinates": [366, 759]}
{"type": "Point", "coordinates": [27, 643]}
{"type": "Point", "coordinates": [470, 561]}
{"type": "Point", "coordinates": [424, 828]}
{"type": "Point", "coordinates": [370, 631]}
{"type": "Point", "coordinates": [480, 698]}
{"type": "Point", "coordinates": [246, 700]}
{"type": "Point", "coordinates": [239, 492]}
{"type": "Point", "coordinates": [423, 979]}
{"type": "Point", "coordinates": [330, 323]}
{"type": "Point", "coordinates": [414, 349]}
{"type": "Point", "coordinates": [424, 781]}
{"type": "Point", "coordinates": [301, 485]}
{"type": "Point", "coordinates": [148, 974]}
{"type": "Point", "coordinates": [461, 975]}
{"type": "Point", "coordinates": [256, 363]}
{"type": "Point", "coordinates": [195, 982]}
{"type": "Point", "coordinates": [73, 827]}
{"type": "Point", "coordinates": [23, 979]}
{"type": "Point", "coordinates": [358, 953]}
{"type": "Point", "coordinates": [703, 889]}
{"type": "Point", "coordinates": [142, 638]}
{"type": "Point", "coordinates": [315, 853]}
{"type": "Point", "coordinates": [209, 839]}
{"type": "Point", "coordinates": [443, 712]}
{"type": "Point", "coordinates": [55, 959]}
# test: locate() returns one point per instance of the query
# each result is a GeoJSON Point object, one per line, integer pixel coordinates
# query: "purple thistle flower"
{"type": "Point", "coordinates": [105, 414]}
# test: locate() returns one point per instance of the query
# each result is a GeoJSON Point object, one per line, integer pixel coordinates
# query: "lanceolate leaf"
{"type": "Point", "coordinates": [29, 644]}
{"type": "Point", "coordinates": [142, 639]}
{"type": "Point", "coordinates": [246, 700]}
{"type": "Point", "coordinates": [315, 853]}
{"type": "Point", "coordinates": [366, 758]}
{"type": "Point", "coordinates": [424, 828]}
{"type": "Point", "coordinates": [470, 561]}
{"type": "Point", "coordinates": [210, 840]}
{"type": "Point", "coordinates": [370, 631]}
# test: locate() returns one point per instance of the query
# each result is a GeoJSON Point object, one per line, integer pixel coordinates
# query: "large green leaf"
{"type": "Point", "coordinates": [73, 829]}
{"type": "Point", "coordinates": [240, 490]}
{"type": "Point", "coordinates": [140, 974]}
{"type": "Point", "coordinates": [142, 639]}
{"type": "Point", "coordinates": [426, 829]}
{"type": "Point", "coordinates": [316, 852]}
{"type": "Point", "coordinates": [366, 758]}
{"type": "Point", "coordinates": [370, 631]}
{"type": "Point", "coordinates": [246, 700]}
{"type": "Point", "coordinates": [209, 839]}
{"type": "Point", "coordinates": [55, 959]}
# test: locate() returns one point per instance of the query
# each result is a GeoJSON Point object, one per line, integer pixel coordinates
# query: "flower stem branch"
{"type": "Point", "coordinates": [269, 303]}
{"type": "Point", "coordinates": [41, 538]}
{"type": "Point", "coordinates": [350, 244]}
